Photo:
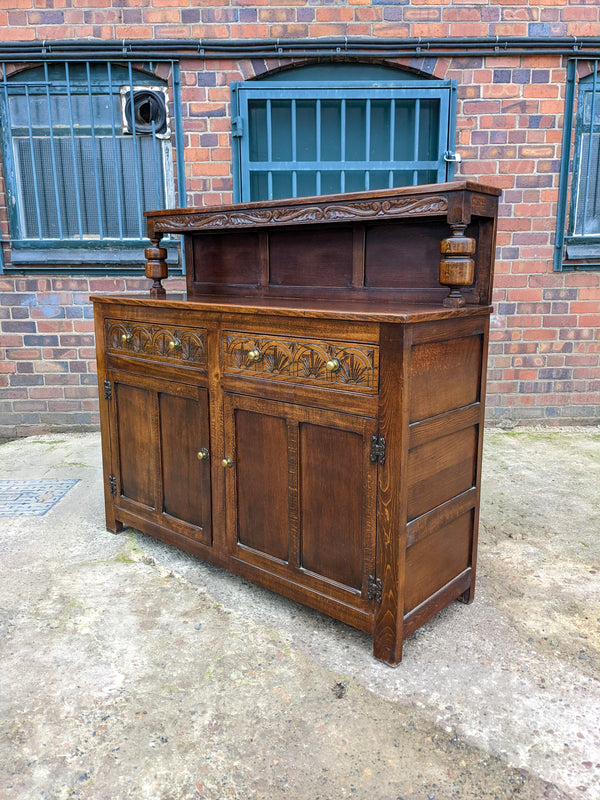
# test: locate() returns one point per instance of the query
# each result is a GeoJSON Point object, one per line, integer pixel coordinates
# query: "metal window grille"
{"type": "Point", "coordinates": [578, 220]}
{"type": "Point", "coordinates": [300, 140]}
{"type": "Point", "coordinates": [87, 149]}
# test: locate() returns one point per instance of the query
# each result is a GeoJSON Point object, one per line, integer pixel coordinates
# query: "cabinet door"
{"type": "Point", "coordinates": [301, 494]}
{"type": "Point", "coordinates": [161, 453]}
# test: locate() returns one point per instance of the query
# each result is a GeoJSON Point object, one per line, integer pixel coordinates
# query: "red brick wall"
{"type": "Point", "coordinates": [29, 20]}
{"type": "Point", "coordinates": [545, 343]}
{"type": "Point", "coordinates": [47, 355]}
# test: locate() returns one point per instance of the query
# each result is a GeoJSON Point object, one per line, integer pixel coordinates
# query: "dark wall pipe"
{"type": "Point", "coordinates": [161, 49]}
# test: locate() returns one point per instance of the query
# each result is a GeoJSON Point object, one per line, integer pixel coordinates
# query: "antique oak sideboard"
{"type": "Point", "coordinates": [309, 416]}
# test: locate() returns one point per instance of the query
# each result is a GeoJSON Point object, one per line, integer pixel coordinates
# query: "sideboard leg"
{"type": "Point", "coordinates": [388, 632]}
{"type": "Point", "coordinates": [468, 595]}
{"type": "Point", "coordinates": [112, 524]}
{"type": "Point", "coordinates": [387, 648]}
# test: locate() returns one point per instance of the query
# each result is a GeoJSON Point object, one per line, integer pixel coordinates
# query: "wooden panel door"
{"type": "Point", "coordinates": [301, 495]}
{"type": "Point", "coordinates": [161, 453]}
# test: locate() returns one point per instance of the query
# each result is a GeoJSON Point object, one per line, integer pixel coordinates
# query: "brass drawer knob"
{"type": "Point", "coordinates": [203, 454]}
{"type": "Point", "coordinates": [227, 462]}
{"type": "Point", "coordinates": [126, 337]}
{"type": "Point", "coordinates": [333, 365]}
{"type": "Point", "coordinates": [254, 355]}
{"type": "Point", "coordinates": [175, 344]}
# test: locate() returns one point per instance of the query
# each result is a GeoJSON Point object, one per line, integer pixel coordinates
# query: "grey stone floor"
{"type": "Point", "coordinates": [132, 670]}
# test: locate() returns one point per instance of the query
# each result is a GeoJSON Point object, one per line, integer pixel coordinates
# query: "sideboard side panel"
{"type": "Point", "coordinates": [446, 409]}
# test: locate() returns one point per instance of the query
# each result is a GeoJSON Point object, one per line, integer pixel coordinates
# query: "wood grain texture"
{"type": "Point", "coordinates": [262, 482]}
{"type": "Point", "coordinates": [441, 470]}
{"type": "Point", "coordinates": [392, 494]}
{"type": "Point", "coordinates": [434, 604]}
{"type": "Point", "coordinates": [186, 485]}
{"type": "Point", "coordinates": [219, 259]}
{"type": "Point", "coordinates": [281, 509]}
{"type": "Point", "coordinates": [421, 308]}
{"type": "Point", "coordinates": [444, 376]}
{"type": "Point", "coordinates": [434, 561]}
{"type": "Point", "coordinates": [297, 258]}
{"type": "Point", "coordinates": [137, 446]}
{"type": "Point", "coordinates": [332, 485]}
{"type": "Point", "coordinates": [404, 255]}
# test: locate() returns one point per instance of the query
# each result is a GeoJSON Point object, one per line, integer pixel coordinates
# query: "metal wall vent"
{"type": "Point", "coordinates": [145, 108]}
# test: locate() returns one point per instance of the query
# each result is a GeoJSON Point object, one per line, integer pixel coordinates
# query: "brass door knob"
{"type": "Point", "coordinates": [254, 355]}
{"type": "Point", "coordinates": [227, 462]}
{"type": "Point", "coordinates": [126, 337]}
{"type": "Point", "coordinates": [333, 365]}
{"type": "Point", "coordinates": [175, 344]}
{"type": "Point", "coordinates": [203, 454]}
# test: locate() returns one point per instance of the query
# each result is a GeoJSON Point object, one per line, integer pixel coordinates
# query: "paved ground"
{"type": "Point", "coordinates": [131, 670]}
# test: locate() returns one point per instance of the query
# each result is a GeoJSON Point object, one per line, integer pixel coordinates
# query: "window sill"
{"type": "Point", "coordinates": [113, 257]}
{"type": "Point", "coordinates": [581, 256]}
{"type": "Point", "coordinates": [106, 259]}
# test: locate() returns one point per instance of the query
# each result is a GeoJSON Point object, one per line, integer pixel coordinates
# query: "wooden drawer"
{"type": "Point", "coordinates": [157, 342]}
{"type": "Point", "coordinates": [349, 366]}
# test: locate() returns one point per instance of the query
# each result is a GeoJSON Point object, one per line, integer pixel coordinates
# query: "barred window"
{"type": "Point", "coordinates": [87, 149]}
{"type": "Point", "coordinates": [314, 137]}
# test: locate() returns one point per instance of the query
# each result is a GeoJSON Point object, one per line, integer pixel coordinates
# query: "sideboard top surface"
{"type": "Point", "coordinates": [362, 310]}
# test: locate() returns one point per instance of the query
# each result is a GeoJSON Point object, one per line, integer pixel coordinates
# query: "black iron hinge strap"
{"type": "Point", "coordinates": [374, 589]}
{"type": "Point", "coordinates": [377, 454]}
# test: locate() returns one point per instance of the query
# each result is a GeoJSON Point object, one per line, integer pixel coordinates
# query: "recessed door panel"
{"type": "Point", "coordinates": [262, 482]}
{"type": "Point", "coordinates": [185, 449]}
{"type": "Point", "coordinates": [135, 414]}
{"type": "Point", "coordinates": [331, 495]}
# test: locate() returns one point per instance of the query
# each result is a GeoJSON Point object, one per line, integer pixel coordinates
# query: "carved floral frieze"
{"type": "Point", "coordinates": [157, 342]}
{"type": "Point", "coordinates": [429, 205]}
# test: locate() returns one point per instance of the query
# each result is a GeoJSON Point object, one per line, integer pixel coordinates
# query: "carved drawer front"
{"type": "Point", "coordinates": [335, 365]}
{"type": "Point", "coordinates": [166, 343]}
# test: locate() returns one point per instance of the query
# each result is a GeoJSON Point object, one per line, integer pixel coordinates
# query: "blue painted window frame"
{"type": "Point", "coordinates": [576, 247]}
{"type": "Point", "coordinates": [442, 91]}
{"type": "Point", "coordinates": [82, 251]}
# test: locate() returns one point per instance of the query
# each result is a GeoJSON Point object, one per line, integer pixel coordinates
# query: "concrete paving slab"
{"type": "Point", "coordinates": [132, 670]}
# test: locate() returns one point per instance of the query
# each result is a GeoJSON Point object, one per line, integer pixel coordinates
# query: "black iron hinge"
{"type": "Point", "coordinates": [107, 390]}
{"type": "Point", "coordinates": [377, 454]}
{"type": "Point", "coordinates": [374, 588]}
{"type": "Point", "coordinates": [112, 484]}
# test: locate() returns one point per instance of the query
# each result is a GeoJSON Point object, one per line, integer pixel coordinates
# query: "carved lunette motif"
{"type": "Point", "coordinates": [431, 205]}
{"type": "Point", "coordinates": [153, 342]}
{"type": "Point", "coordinates": [302, 361]}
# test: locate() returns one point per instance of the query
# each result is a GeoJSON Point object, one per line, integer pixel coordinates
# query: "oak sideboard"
{"type": "Point", "coordinates": [309, 415]}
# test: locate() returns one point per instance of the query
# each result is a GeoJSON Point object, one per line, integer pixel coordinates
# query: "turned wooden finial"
{"type": "Point", "coordinates": [156, 266]}
{"type": "Point", "coordinates": [457, 267]}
